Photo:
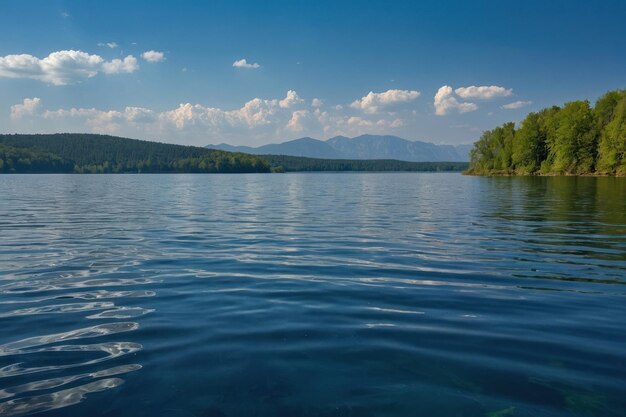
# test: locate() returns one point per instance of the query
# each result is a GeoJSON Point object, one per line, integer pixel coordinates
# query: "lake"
{"type": "Point", "coordinates": [327, 294]}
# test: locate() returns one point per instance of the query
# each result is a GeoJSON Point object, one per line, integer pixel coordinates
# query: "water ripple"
{"type": "Point", "coordinates": [312, 295]}
{"type": "Point", "coordinates": [57, 309]}
{"type": "Point", "coordinates": [59, 399]}
{"type": "Point", "coordinates": [112, 350]}
{"type": "Point", "coordinates": [47, 384]}
{"type": "Point", "coordinates": [84, 333]}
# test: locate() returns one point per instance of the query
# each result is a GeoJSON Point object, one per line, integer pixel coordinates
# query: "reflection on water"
{"type": "Point", "coordinates": [59, 399]}
{"type": "Point", "coordinates": [312, 295]}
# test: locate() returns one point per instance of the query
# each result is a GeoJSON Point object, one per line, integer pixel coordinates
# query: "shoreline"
{"type": "Point", "coordinates": [546, 175]}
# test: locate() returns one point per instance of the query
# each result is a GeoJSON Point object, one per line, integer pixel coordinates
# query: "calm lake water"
{"type": "Point", "coordinates": [312, 295]}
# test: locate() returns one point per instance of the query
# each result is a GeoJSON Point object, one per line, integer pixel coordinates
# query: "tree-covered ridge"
{"type": "Point", "coordinates": [575, 139]}
{"type": "Point", "coordinates": [284, 163]}
{"type": "Point", "coordinates": [87, 153]}
{"type": "Point", "coordinates": [31, 161]}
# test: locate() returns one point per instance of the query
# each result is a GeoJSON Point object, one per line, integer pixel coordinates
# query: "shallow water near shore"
{"type": "Point", "coordinates": [398, 294]}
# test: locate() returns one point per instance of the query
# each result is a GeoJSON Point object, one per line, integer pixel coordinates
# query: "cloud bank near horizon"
{"type": "Point", "coordinates": [266, 120]}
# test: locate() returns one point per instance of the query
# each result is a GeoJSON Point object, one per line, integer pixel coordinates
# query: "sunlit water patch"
{"type": "Point", "coordinates": [312, 295]}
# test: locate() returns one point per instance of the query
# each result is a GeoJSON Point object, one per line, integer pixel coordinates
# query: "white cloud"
{"type": "Point", "coordinates": [242, 63]}
{"type": "Point", "coordinates": [372, 102]}
{"type": "Point", "coordinates": [139, 114]}
{"type": "Point", "coordinates": [316, 102]}
{"type": "Point", "coordinates": [467, 107]}
{"type": "Point", "coordinates": [256, 121]}
{"type": "Point", "coordinates": [359, 122]}
{"type": "Point", "coordinates": [153, 56]}
{"type": "Point", "coordinates": [291, 100]}
{"type": "Point", "coordinates": [101, 121]}
{"type": "Point", "coordinates": [445, 102]}
{"type": "Point", "coordinates": [28, 107]}
{"type": "Point", "coordinates": [516, 105]}
{"type": "Point", "coordinates": [117, 66]}
{"type": "Point", "coordinates": [111, 45]}
{"type": "Point", "coordinates": [65, 15]}
{"type": "Point", "coordinates": [396, 123]}
{"type": "Point", "coordinates": [302, 120]}
{"type": "Point", "coordinates": [62, 67]}
{"type": "Point", "coordinates": [483, 92]}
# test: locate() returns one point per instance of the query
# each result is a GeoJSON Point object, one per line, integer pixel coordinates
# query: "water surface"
{"type": "Point", "coordinates": [312, 295]}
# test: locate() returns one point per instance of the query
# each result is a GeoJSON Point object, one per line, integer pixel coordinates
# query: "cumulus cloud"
{"type": "Point", "coordinates": [359, 122]}
{"type": "Point", "coordinates": [446, 102]}
{"type": "Point", "coordinates": [302, 120]}
{"type": "Point", "coordinates": [483, 92]}
{"type": "Point", "coordinates": [104, 121]}
{"type": "Point", "coordinates": [291, 100]}
{"type": "Point", "coordinates": [447, 98]}
{"type": "Point", "coordinates": [516, 105]}
{"type": "Point", "coordinates": [28, 107]}
{"type": "Point", "coordinates": [117, 66]}
{"type": "Point", "coordinates": [62, 67]}
{"type": "Point", "coordinates": [372, 102]}
{"type": "Point", "coordinates": [316, 102]}
{"type": "Point", "coordinates": [153, 56]}
{"type": "Point", "coordinates": [243, 63]}
{"type": "Point", "coordinates": [258, 120]}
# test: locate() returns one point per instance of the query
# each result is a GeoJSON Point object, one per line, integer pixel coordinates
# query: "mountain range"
{"type": "Point", "coordinates": [360, 147]}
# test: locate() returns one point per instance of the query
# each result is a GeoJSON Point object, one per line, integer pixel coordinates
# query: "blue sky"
{"type": "Point", "coordinates": [82, 66]}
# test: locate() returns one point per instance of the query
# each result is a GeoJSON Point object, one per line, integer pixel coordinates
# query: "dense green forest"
{"type": "Point", "coordinates": [87, 153]}
{"type": "Point", "coordinates": [575, 139]}
{"type": "Point", "coordinates": [285, 163]}
{"type": "Point", "coordinates": [28, 160]}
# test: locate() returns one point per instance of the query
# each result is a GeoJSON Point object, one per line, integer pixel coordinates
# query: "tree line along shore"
{"type": "Point", "coordinates": [576, 139]}
{"type": "Point", "coordinates": [96, 154]}
{"type": "Point", "coordinates": [88, 153]}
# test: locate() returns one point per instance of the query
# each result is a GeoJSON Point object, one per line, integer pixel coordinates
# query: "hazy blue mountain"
{"type": "Point", "coordinates": [308, 147]}
{"type": "Point", "coordinates": [360, 147]}
{"type": "Point", "coordinates": [232, 148]}
{"type": "Point", "coordinates": [392, 147]}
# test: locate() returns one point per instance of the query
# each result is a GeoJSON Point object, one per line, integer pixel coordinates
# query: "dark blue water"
{"type": "Point", "coordinates": [312, 295]}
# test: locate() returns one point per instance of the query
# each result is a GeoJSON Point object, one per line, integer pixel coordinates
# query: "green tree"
{"type": "Point", "coordinates": [573, 149]}
{"type": "Point", "coordinates": [605, 107]}
{"type": "Point", "coordinates": [612, 144]}
{"type": "Point", "coordinates": [575, 139]}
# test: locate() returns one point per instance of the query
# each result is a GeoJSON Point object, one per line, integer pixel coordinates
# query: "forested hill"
{"type": "Point", "coordinates": [89, 153]}
{"type": "Point", "coordinates": [575, 139]}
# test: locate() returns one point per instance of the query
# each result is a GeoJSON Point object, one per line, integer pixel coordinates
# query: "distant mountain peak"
{"type": "Point", "coordinates": [360, 147]}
